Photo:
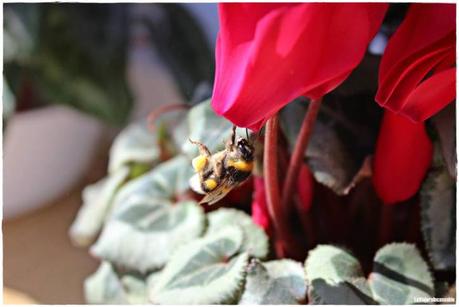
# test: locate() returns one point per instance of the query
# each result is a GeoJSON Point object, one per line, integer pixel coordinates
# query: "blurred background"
{"type": "Point", "coordinates": [74, 75]}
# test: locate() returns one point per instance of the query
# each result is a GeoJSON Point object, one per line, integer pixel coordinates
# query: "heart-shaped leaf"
{"type": "Point", "coordinates": [134, 144]}
{"type": "Point", "coordinates": [255, 240]}
{"type": "Point", "coordinates": [142, 234]}
{"type": "Point", "coordinates": [145, 226]}
{"type": "Point", "coordinates": [327, 157]}
{"type": "Point", "coordinates": [279, 282]}
{"type": "Point", "coordinates": [208, 128]}
{"type": "Point", "coordinates": [334, 276]}
{"type": "Point", "coordinates": [106, 286]}
{"type": "Point", "coordinates": [163, 183]}
{"type": "Point", "coordinates": [97, 200]}
{"type": "Point", "coordinates": [438, 215]}
{"type": "Point", "coordinates": [400, 275]}
{"type": "Point", "coordinates": [209, 270]}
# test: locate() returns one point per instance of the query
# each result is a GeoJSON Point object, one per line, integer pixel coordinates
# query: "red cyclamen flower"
{"type": "Point", "coordinates": [417, 75]}
{"type": "Point", "coordinates": [417, 78]}
{"type": "Point", "coordinates": [403, 155]}
{"type": "Point", "coordinates": [269, 54]}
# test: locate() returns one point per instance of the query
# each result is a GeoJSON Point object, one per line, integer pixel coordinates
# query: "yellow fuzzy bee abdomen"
{"type": "Point", "coordinates": [210, 184]}
{"type": "Point", "coordinates": [199, 163]}
{"type": "Point", "coordinates": [241, 165]}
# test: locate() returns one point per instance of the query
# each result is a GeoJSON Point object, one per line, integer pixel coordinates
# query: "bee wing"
{"type": "Point", "coordinates": [214, 196]}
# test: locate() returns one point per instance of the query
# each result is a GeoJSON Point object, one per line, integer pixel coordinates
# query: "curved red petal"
{"type": "Point", "coordinates": [402, 157]}
{"type": "Point", "coordinates": [432, 95]}
{"type": "Point", "coordinates": [269, 54]}
{"type": "Point", "coordinates": [424, 43]}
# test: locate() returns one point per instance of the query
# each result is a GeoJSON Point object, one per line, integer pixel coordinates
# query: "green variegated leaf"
{"type": "Point", "coordinates": [106, 286]}
{"type": "Point", "coordinates": [136, 289]}
{"type": "Point", "coordinates": [329, 160]}
{"type": "Point", "coordinates": [208, 128]}
{"type": "Point", "coordinates": [163, 183]}
{"type": "Point", "coordinates": [172, 127]}
{"type": "Point", "coordinates": [152, 280]}
{"type": "Point", "coordinates": [279, 282]}
{"type": "Point", "coordinates": [332, 264]}
{"type": "Point", "coordinates": [141, 234]}
{"type": "Point", "coordinates": [134, 144]}
{"type": "Point", "coordinates": [97, 201]}
{"type": "Point", "coordinates": [438, 216]}
{"type": "Point", "coordinates": [334, 276]}
{"type": "Point", "coordinates": [255, 242]}
{"type": "Point", "coordinates": [400, 275]}
{"type": "Point", "coordinates": [151, 196]}
{"type": "Point", "coordinates": [209, 270]}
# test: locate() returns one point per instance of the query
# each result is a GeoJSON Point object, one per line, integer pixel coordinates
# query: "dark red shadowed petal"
{"type": "Point", "coordinates": [260, 214]}
{"type": "Point", "coordinates": [412, 76]}
{"type": "Point", "coordinates": [269, 54]}
{"type": "Point", "coordinates": [402, 157]}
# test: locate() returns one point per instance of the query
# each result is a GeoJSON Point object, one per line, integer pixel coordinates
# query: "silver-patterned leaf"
{"type": "Point", "coordinates": [142, 234]}
{"type": "Point", "coordinates": [278, 282]}
{"type": "Point", "coordinates": [256, 242]}
{"type": "Point", "coordinates": [208, 128]}
{"type": "Point", "coordinates": [334, 276]}
{"type": "Point", "coordinates": [163, 183]}
{"type": "Point", "coordinates": [400, 275]}
{"type": "Point", "coordinates": [134, 144]}
{"type": "Point", "coordinates": [97, 201]}
{"type": "Point", "coordinates": [438, 216]}
{"type": "Point", "coordinates": [329, 160]}
{"type": "Point", "coordinates": [105, 286]}
{"type": "Point", "coordinates": [209, 270]}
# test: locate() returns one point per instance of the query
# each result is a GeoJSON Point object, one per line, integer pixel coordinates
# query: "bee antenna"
{"type": "Point", "coordinates": [247, 133]}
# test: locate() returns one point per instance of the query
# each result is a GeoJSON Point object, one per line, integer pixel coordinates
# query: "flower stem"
{"type": "Point", "coordinates": [298, 151]}
{"type": "Point", "coordinates": [278, 214]}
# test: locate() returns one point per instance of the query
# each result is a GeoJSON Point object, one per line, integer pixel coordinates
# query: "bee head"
{"type": "Point", "coordinates": [246, 150]}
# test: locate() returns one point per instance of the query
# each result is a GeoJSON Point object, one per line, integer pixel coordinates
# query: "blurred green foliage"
{"type": "Point", "coordinates": [73, 54]}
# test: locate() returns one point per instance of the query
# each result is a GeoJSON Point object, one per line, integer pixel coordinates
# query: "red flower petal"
{"type": "Point", "coordinates": [260, 214]}
{"type": "Point", "coordinates": [424, 43]}
{"type": "Point", "coordinates": [402, 157]}
{"type": "Point", "coordinates": [269, 54]}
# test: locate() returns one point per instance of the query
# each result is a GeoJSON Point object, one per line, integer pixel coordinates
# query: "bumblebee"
{"type": "Point", "coordinates": [221, 172]}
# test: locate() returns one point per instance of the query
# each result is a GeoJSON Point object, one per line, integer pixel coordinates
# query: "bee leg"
{"type": "Point", "coordinates": [230, 143]}
{"type": "Point", "coordinates": [203, 150]}
{"type": "Point", "coordinates": [200, 162]}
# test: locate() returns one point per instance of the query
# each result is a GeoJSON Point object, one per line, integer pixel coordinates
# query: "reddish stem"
{"type": "Point", "coordinates": [157, 112]}
{"type": "Point", "coordinates": [298, 151]}
{"type": "Point", "coordinates": [270, 163]}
